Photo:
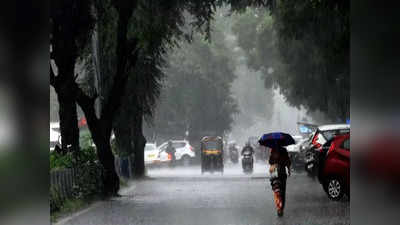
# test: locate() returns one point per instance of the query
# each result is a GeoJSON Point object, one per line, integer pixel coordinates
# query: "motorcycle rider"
{"type": "Point", "coordinates": [247, 147]}
{"type": "Point", "coordinates": [279, 161]}
{"type": "Point", "coordinates": [171, 151]}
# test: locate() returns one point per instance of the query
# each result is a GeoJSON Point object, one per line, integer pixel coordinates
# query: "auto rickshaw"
{"type": "Point", "coordinates": [212, 154]}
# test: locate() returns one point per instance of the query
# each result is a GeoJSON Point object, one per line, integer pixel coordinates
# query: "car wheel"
{"type": "Point", "coordinates": [334, 188]}
{"type": "Point", "coordinates": [186, 160]}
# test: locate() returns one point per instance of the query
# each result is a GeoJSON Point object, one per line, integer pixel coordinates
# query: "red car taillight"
{"type": "Point", "coordinates": [314, 141]}
{"type": "Point", "coordinates": [191, 148]}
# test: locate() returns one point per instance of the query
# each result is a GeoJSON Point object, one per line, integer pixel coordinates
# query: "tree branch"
{"type": "Point", "coordinates": [123, 51]}
{"type": "Point", "coordinates": [87, 105]}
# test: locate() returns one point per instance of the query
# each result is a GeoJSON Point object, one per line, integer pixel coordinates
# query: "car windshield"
{"type": "Point", "coordinates": [150, 148]}
{"type": "Point", "coordinates": [178, 144]}
{"type": "Point", "coordinates": [330, 134]}
{"type": "Point", "coordinates": [211, 145]}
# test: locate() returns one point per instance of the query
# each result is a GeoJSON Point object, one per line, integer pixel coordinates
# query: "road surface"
{"type": "Point", "coordinates": [184, 196]}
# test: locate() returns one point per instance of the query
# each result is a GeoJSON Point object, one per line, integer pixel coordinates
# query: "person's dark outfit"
{"type": "Point", "coordinates": [280, 156]}
{"type": "Point", "coordinates": [171, 151]}
{"type": "Point", "coordinates": [247, 148]}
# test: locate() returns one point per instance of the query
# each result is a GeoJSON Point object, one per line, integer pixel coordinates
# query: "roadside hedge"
{"type": "Point", "coordinates": [87, 175]}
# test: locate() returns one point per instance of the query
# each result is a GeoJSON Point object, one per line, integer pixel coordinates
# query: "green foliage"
{"type": "Point", "coordinates": [197, 94]}
{"type": "Point", "coordinates": [85, 139]}
{"type": "Point", "coordinates": [254, 30]}
{"type": "Point", "coordinates": [306, 43]}
{"type": "Point", "coordinates": [314, 41]}
{"type": "Point", "coordinates": [56, 200]}
{"type": "Point", "coordinates": [69, 160]}
{"type": "Point", "coordinates": [87, 177]}
{"type": "Point", "coordinates": [66, 207]}
{"type": "Point", "coordinates": [88, 170]}
{"type": "Point", "coordinates": [88, 180]}
{"type": "Point", "coordinates": [59, 161]}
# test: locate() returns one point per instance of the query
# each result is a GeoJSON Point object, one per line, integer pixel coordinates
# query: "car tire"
{"type": "Point", "coordinates": [186, 160]}
{"type": "Point", "coordinates": [334, 188]}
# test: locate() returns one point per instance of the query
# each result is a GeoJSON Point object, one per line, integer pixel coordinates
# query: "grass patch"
{"type": "Point", "coordinates": [123, 182]}
{"type": "Point", "coordinates": [68, 207]}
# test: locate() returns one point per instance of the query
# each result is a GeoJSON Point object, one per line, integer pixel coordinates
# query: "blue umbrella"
{"type": "Point", "coordinates": [276, 139]}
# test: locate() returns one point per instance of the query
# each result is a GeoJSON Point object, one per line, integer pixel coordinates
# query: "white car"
{"type": "Point", "coordinates": [184, 151]}
{"type": "Point", "coordinates": [296, 146]}
{"type": "Point", "coordinates": [151, 154]}
{"type": "Point", "coordinates": [55, 135]}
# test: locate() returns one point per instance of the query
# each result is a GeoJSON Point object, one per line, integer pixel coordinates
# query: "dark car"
{"type": "Point", "coordinates": [335, 170]}
{"type": "Point", "coordinates": [320, 143]}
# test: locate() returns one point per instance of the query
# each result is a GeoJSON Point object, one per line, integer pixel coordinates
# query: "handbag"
{"type": "Point", "coordinates": [273, 172]}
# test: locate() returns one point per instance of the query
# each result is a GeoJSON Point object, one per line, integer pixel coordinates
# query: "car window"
{"type": "Point", "coordinates": [330, 134]}
{"type": "Point", "coordinates": [346, 144]}
{"type": "Point", "coordinates": [321, 139]}
{"type": "Point", "coordinates": [179, 145]}
{"type": "Point", "coordinates": [163, 147]}
{"type": "Point", "coordinates": [149, 148]}
{"type": "Point", "coordinates": [210, 145]}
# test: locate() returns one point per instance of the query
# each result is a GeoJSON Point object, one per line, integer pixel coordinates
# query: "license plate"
{"type": "Point", "coordinates": [152, 155]}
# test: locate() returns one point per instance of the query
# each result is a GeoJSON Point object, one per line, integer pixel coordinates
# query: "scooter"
{"type": "Point", "coordinates": [247, 162]}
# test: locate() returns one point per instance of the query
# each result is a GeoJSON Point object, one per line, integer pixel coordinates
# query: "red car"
{"type": "Point", "coordinates": [335, 173]}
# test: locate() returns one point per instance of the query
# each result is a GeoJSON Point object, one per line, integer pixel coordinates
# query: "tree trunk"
{"type": "Point", "coordinates": [139, 142]}
{"type": "Point", "coordinates": [67, 105]}
{"type": "Point", "coordinates": [68, 118]}
{"type": "Point", "coordinates": [101, 139]}
{"type": "Point", "coordinates": [100, 130]}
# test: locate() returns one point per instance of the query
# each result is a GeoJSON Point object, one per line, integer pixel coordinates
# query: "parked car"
{"type": "Point", "coordinates": [327, 132]}
{"type": "Point", "coordinates": [335, 168]}
{"type": "Point", "coordinates": [295, 153]}
{"type": "Point", "coordinates": [151, 154]}
{"type": "Point", "coordinates": [185, 153]}
{"type": "Point", "coordinates": [320, 141]}
{"type": "Point", "coordinates": [55, 135]}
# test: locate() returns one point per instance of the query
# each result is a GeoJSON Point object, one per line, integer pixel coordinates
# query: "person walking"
{"type": "Point", "coordinates": [279, 160]}
{"type": "Point", "coordinates": [171, 152]}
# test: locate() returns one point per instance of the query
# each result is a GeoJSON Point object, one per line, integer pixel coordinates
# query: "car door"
{"type": "Point", "coordinates": [343, 152]}
{"type": "Point", "coordinates": [163, 154]}
{"type": "Point", "coordinates": [180, 148]}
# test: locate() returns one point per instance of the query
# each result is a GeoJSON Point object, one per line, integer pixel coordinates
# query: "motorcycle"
{"type": "Point", "coordinates": [234, 155]}
{"type": "Point", "coordinates": [247, 162]}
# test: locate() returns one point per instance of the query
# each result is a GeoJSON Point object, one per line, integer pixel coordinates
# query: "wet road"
{"type": "Point", "coordinates": [184, 196]}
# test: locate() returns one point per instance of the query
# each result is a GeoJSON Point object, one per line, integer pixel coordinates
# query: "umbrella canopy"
{"type": "Point", "coordinates": [276, 139]}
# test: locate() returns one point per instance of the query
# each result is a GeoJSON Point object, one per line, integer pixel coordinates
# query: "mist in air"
{"type": "Point", "coordinates": [261, 109]}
